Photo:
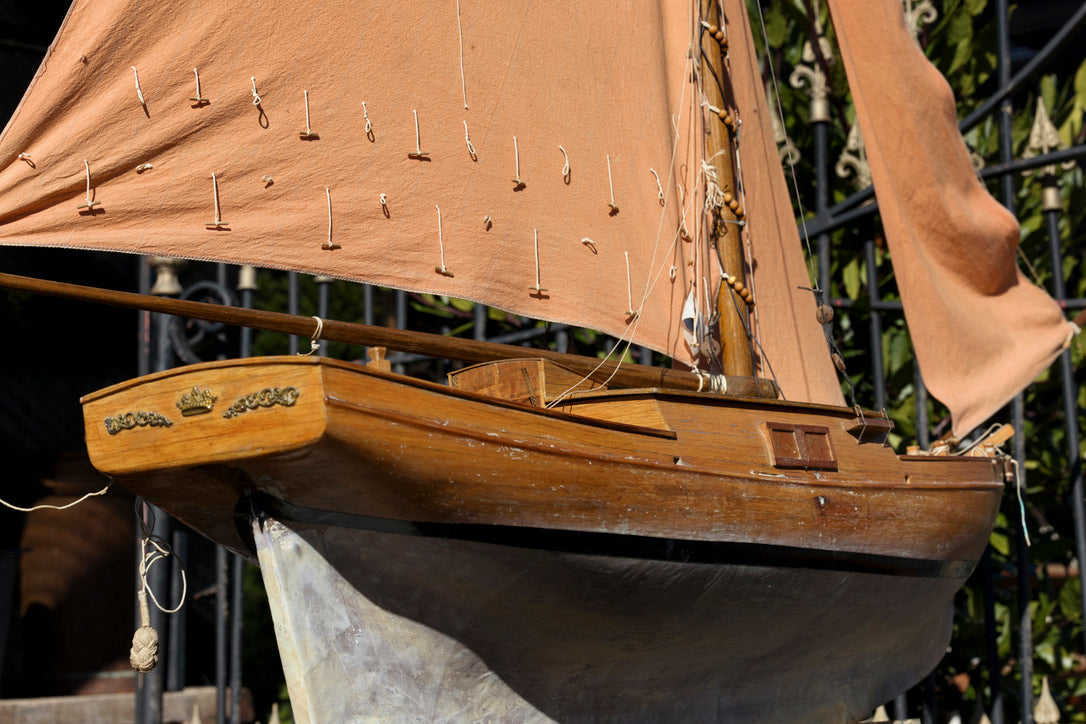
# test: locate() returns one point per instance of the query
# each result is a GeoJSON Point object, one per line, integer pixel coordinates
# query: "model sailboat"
{"type": "Point", "coordinates": [536, 542]}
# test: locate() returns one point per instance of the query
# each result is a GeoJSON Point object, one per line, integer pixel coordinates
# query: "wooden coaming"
{"type": "Point", "coordinates": [685, 465]}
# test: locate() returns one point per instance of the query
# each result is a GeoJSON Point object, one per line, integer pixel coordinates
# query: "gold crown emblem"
{"type": "Point", "coordinates": [196, 402]}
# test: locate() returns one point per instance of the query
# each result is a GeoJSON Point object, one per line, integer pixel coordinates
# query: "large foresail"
{"type": "Point", "coordinates": [981, 330]}
{"type": "Point", "coordinates": [543, 157]}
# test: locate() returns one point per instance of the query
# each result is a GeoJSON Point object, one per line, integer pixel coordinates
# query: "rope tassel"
{"type": "Point", "coordinates": [144, 652]}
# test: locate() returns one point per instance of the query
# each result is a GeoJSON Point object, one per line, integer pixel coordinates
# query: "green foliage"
{"type": "Point", "coordinates": [961, 43]}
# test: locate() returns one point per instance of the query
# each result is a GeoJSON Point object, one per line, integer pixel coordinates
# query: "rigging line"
{"type": "Point", "coordinates": [650, 279]}
{"type": "Point", "coordinates": [741, 190]}
{"type": "Point", "coordinates": [625, 340]}
{"type": "Point", "coordinates": [791, 166]}
{"type": "Point", "coordinates": [621, 342]}
{"type": "Point", "coordinates": [714, 74]}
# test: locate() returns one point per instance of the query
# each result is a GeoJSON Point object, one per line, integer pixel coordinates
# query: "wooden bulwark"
{"type": "Point", "coordinates": [376, 444]}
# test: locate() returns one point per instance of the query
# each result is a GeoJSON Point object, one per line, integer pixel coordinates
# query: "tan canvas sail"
{"type": "Point", "coordinates": [982, 331]}
{"type": "Point", "coordinates": [305, 113]}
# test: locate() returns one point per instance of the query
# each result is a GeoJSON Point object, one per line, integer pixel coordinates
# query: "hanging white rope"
{"type": "Point", "coordinates": [144, 653]}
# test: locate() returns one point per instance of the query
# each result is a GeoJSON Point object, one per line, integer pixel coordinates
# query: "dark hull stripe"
{"type": "Point", "coordinates": [614, 544]}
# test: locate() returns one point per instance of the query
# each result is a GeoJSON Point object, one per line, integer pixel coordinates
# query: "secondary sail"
{"type": "Point", "coordinates": [981, 330]}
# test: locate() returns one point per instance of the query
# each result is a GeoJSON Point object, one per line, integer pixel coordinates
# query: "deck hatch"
{"type": "Point", "coordinates": [800, 446]}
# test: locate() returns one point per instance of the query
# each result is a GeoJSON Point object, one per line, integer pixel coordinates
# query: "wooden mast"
{"type": "Point", "coordinates": [731, 305]}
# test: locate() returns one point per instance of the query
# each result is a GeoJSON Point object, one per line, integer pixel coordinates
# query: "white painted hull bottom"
{"type": "Point", "coordinates": [376, 626]}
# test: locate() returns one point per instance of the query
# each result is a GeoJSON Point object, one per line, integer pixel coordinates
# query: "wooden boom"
{"type": "Point", "coordinates": [619, 374]}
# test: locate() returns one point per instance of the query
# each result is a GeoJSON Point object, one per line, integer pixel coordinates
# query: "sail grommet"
{"type": "Point", "coordinates": [267, 180]}
{"type": "Point", "coordinates": [26, 157]}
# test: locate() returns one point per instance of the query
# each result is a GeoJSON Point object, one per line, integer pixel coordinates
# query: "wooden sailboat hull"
{"type": "Point", "coordinates": [638, 553]}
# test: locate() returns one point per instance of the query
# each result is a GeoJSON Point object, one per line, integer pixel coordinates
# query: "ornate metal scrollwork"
{"type": "Point", "coordinates": [813, 74]}
{"type": "Point", "coordinates": [268, 397]}
{"type": "Point", "coordinates": [131, 420]}
{"type": "Point", "coordinates": [854, 158]}
{"type": "Point", "coordinates": [917, 15]}
{"type": "Point", "coordinates": [188, 337]}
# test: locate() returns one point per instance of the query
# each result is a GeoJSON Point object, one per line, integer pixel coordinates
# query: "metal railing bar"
{"type": "Point", "coordinates": [844, 214]}
{"type": "Point", "coordinates": [1053, 46]}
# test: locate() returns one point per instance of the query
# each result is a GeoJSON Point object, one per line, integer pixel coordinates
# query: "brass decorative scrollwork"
{"type": "Point", "coordinates": [268, 397]}
{"type": "Point", "coordinates": [131, 420]}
